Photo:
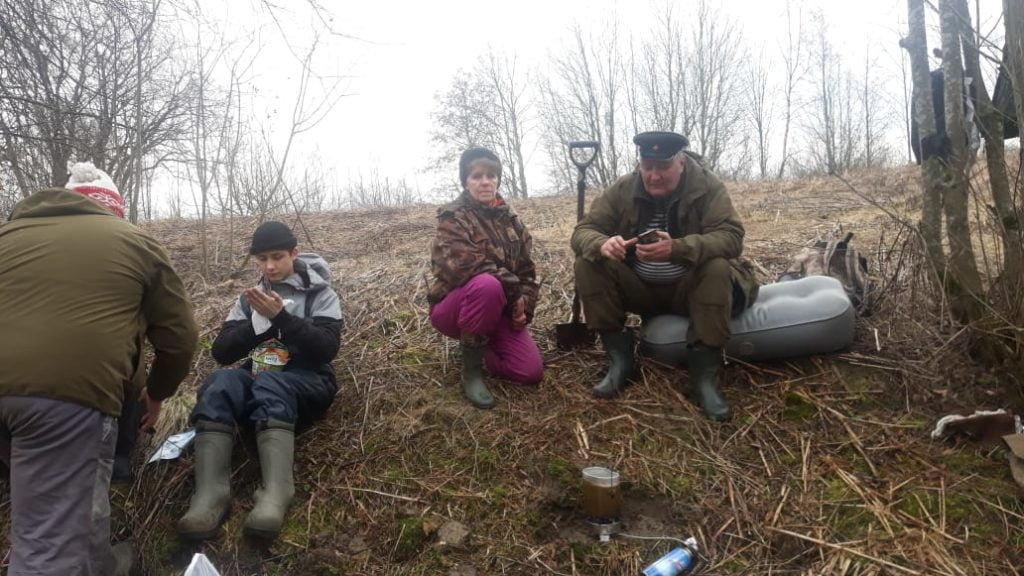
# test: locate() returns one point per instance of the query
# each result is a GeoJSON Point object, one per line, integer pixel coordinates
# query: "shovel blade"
{"type": "Point", "coordinates": [574, 335]}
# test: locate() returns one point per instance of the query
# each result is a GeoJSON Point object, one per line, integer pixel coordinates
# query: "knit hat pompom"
{"type": "Point", "coordinates": [95, 184]}
{"type": "Point", "coordinates": [472, 155]}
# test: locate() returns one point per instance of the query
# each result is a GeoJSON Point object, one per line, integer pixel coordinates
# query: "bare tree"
{"type": "Point", "coordinates": [510, 109]}
{"type": "Point", "coordinates": [967, 289]}
{"type": "Point", "coordinates": [795, 63]}
{"type": "Point", "coordinates": [582, 99]}
{"type": "Point", "coordinates": [916, 44]}
{"type": "Point", "coordinates": [990, 120]}
{"type": "Point", "coordinates": [487, 105]}
{"type": "Point", "coordinates": [713, 81]}
{"type": "Point", "coordinates": [660, 73]}
{"type": "Point", "coordinates": [1013, 20]}
{"type": "Point", "coordinates": [459, 119]}
{"type": "Point", "coordinates": [760, 109]}
{"type": "Point", "coordinates": [91, 81]}
{"type": "Point", "coordinates": [875, 152]}
{"type": "Point", "coordinates": [824, 126]}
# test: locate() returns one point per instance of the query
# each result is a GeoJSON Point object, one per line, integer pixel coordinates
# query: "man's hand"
{"type": "Point", "coordinates": [519, 314]}
{"type": "Point", "coordinates": [660, 251]}
{"type": "Point", "coordinates": [267, 304]}
{"type": "Point", "coordinates": [615, 247]}
{"type": "Point", "coordinates": [148, 421]}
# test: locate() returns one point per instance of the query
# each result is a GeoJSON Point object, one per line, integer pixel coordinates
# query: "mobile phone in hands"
{"type": "Point", "coordinates": [649, 237]}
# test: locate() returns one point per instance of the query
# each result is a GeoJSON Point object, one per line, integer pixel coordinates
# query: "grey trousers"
{"type": "Point", "coordinates": [60, 457]}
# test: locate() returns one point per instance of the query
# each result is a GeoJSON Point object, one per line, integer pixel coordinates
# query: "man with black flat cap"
{"type": "Point", "coordinates": [664, 239]}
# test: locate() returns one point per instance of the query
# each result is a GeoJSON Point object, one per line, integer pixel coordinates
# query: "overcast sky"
{"type": "Point", "coordinates": [403, 52]}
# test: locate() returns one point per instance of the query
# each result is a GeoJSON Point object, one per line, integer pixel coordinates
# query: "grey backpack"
{"type": "Point", "coordinates": [840, 260]}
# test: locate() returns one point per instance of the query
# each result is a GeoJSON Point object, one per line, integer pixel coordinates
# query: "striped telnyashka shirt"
{"type": "Point", "coordinates": [659, 272]}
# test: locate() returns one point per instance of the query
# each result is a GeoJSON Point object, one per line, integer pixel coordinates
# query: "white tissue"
{"type": "Point", "coordinates": [261, 323]}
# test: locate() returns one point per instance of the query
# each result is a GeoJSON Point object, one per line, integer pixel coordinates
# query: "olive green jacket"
{"type": "Point", "coordinates": [77, 286]}
{"type": "Point", "coordinates": [701, 220]}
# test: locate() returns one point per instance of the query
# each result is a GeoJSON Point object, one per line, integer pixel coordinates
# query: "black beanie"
{"type": "Point", "coordinates": [272, 235]}
{"type": "Point", "coordinates": [473, 154]}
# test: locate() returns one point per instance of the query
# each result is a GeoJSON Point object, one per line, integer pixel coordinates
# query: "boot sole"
{"type": "Point", "coordinates": [481, 406]}
{"type": "Point", "coordinates": [260, 534]}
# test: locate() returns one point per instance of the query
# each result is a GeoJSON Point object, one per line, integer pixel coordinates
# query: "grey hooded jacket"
{"type": "Point", "coordinates": [310, 326]}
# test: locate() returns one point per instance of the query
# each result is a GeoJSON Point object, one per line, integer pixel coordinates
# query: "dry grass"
{"type": "Point", "coordinates": [827, 467]}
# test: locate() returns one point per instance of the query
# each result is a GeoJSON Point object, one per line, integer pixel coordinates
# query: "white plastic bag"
{"type": "Point", "coordinates": [201, 566]}
{"type": "Point", "coordinates": [173, 446]}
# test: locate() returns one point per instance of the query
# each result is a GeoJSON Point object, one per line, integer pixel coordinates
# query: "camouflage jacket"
{"type": "Point", "coordinates": [473, 239]}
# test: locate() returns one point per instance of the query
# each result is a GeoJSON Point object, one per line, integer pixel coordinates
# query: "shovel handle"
{"type": "Point", "coordinates": [583, 162]}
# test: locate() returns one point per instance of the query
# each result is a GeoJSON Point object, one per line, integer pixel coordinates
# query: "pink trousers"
{"type": "Point", "coordinates": [478, 307]}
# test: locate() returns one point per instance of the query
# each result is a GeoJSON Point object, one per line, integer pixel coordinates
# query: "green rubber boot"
{"type": "Point", "coordinates": [212, 498]}
{"type": "Point", "coordinates": [619, 347]}
{"type": "Point", "coordinates": [473, 377]}
{"type": "Point", "coordinates": [276, 447]}
{"type": "Point", "coordinates": [703, 364]}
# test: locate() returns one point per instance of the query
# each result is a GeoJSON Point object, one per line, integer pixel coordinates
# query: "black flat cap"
{"type": "Point", "coordinates": [659, 145]}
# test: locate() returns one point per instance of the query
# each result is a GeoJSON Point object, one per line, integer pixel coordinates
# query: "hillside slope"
{"type": "Point", "coordinates": [826, 468]}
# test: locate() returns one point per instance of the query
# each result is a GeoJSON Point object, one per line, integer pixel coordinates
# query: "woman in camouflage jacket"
{"type": "Point", "coordinates": [485, 288]}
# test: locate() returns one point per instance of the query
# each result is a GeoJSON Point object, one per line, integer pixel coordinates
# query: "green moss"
{"type": "Point", "coordinates": [497, 495]}
{"type": "Point", "coordinates": [681, 485]}
{"type": "Point", "coordinates": [205, 344]}
{"type": "Point", "coordinates": [404, 316]}
{"type": "Point", "coordinates": [861, 380]}
{"type": "Point", "coordinates": [161, 547]}
{"type": "Point", "coordinates": [969, 463]}
{"type": "Point", "coordinates": [294, 530]}
{"type": "Point", "coordinates": [847, 520]}
{"type": "Point", "coordinates": [411, 537]}
{"type": "Point", "coordinates": [798, 408]}
{"type": "Point", "coordinates": [534, 519]}
{"type": "Point", "coordinates": [414, 356]}
{"type": "Point", "coordinates": [487, 458]}
{"type": "Point", "coordinates": [561, 471]}
{"type": "Point", "coordinates": [582, 550]}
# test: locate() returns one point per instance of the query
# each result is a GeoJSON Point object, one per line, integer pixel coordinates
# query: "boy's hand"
{"type": "Point", "coordinates": [268, 304]}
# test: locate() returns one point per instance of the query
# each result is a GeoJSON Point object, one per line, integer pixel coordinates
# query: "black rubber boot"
{"type": "Point", "coordinates": [276, 447]}
{"type": "Point", "coordinates": [703, 364]}
{"type": "Point", "coordinates": [473, 377]}
{"type": "Point", "coordinates": [212, 498]}
{"type": "Point", "coordinates": [619, 348]}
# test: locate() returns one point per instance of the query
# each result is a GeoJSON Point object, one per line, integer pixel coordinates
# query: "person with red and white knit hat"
{"type": "Point", "coordinates": [80, 289]}
{"type": "Point", "coordinates": [93, 183]}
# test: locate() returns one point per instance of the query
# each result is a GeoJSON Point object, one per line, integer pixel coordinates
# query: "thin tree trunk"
{"type": "Point", "coordinates": [916, 44]}
{"type": "Point", "coordinates": [1013, 19]}
{"type": "Point", "coordinates": [965, 288]}
{"type": "Point", "coordinates": [991, 122]}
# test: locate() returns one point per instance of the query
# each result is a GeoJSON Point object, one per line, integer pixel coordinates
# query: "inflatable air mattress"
{"type": "Point", "coordinates": [812, 315]}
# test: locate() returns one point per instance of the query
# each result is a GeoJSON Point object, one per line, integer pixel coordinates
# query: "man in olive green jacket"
{"type": "Point", "coordinates": [664, 239]}
{"type": "Point", "coordinates": [77, 282]}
